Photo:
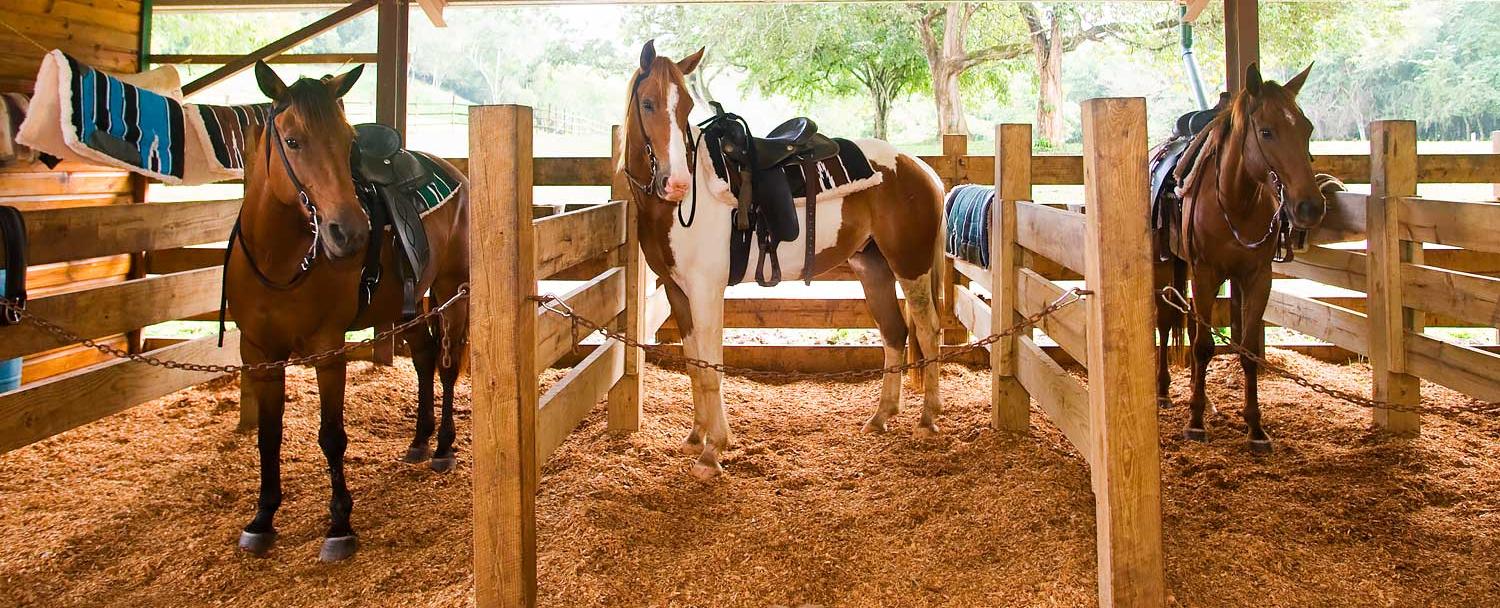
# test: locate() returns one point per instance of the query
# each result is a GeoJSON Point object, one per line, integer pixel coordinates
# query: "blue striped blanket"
{"type": "Point", "coordinates": [968, 210]}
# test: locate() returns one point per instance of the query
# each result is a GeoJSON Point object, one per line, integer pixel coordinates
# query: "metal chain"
{"type": "Point", "coordinates": [67, 337]}
{"type": "Point", "coordinates": [1177, 300]}
{"type": "Point", "coordinates": [557, 306]}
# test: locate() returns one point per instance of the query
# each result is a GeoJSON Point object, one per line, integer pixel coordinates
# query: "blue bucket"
{"type": "Point", "coordinates": [10, 369]}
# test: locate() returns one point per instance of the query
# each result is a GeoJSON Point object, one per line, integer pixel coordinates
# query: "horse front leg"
{"type": "Point", "coordinates": [340, 542]}
{"type": "Point", "coordinates": [1253, 298]}
{"type": "Point", "coordinates": [706, 342]}
{"type": "Point", "coordinates": [267, 389]}
{"type": "Point", "coordinates": [1205, 291]}
{"type": "Point", "coordinates": [879, 285]}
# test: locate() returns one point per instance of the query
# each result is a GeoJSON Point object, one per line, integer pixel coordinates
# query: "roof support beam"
{"type": "Point", "coordinates": [1241, 40]}
{"type": "Point", "coordinates": [354, 9]}
{"type": "Point", "coordinates": [393, 57]}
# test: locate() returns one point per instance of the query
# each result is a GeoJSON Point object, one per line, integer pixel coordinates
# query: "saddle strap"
{"type": "Point", "coordinates": [811, 178]}
{"type": "Point", "coordinates": [13, 238]}
{"type": "Point", "coordinates": [234, 235]}
{"type": "Point", "coordinates": [369, 275]}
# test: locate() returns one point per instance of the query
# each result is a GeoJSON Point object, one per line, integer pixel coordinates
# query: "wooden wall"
{"type": "Point", "coordinates": [106, 34]}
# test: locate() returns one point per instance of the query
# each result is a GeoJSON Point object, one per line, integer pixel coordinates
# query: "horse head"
{"type": "Point", "coordinates": [656, 132]}
{"type": "Point", "coordinates": [306, 158]}
{"type": "Point", "coordinates": [1276, 145]}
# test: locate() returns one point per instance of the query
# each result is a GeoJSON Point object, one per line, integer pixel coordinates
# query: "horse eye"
{"type": "Point", "coordinates": [1266, 133]}
{"type": "Point", "coordinates": [648, 106]}
{"type": "Point", "coordinates": [292, 143]}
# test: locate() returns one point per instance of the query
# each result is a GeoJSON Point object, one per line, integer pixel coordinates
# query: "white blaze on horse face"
{"type": "Point", "coordinates": [678, 178]}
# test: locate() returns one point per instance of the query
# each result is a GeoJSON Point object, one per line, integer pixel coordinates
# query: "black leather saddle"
{"type": "Point", "coordinates": [766, 211]}
{"type": "Point", "coordinates": [1166, 206]}
{"type": "Point", "coordinates": [13, 241]}
{"type": "Point", "coordinates": [386, 177]}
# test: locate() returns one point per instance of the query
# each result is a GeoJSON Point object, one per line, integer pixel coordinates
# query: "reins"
{"type": "Point", "coordinates": [1277, 215]}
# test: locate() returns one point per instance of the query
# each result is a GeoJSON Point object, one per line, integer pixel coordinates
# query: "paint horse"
{"type": "Point", "coordinates": [1246, 178]}
{"type": "Point", "coordinates": [889, 233]}
{"type": "Point", "coordinates": [292, 278]}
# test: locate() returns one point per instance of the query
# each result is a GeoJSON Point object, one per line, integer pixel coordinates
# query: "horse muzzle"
{"type": "Point", "coordinates": [1307, 214]}
{"type": "Point", "coordinates": [343, 239]}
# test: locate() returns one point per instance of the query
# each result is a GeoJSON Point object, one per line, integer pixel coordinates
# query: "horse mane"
{"type": "Point", "coordinates": [627, 126]}
{"type": "Point", "coordinates": [1227, 128]}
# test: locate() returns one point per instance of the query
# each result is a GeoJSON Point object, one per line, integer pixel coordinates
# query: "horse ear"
{"type": "Point", "coordinates": [270, 84]}
{"type": "Point", "coordinates": [343, 82]}
{"type": "Point", "coordinates": [1252, 78]}
{"type": "Point", "coordinates": [690, 63]}
{"type": "Point", "coordinates": [1294, 86]}
{"type": "Point", "coordinates": [648, 55]}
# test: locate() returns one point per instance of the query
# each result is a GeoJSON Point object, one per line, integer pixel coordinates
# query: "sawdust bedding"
{"type": "Point", "coordinates": [143, 508]}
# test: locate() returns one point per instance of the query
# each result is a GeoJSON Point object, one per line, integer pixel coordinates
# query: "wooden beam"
{"type": "Point", "coordinates": [393, 55]}
{"type": "Point", "coordinates": [1241, 40]}
{"type": "Point", "coordinates": [1344, 222]}
{"type": "Point", "coordinates": [434, 11]}
{"type": "Point", "coordinates": [569, 401]}
{"type": "Point", "coordinates": [1470, 371]}
{"type": "Point", "coordinates": [354, 9]}
{"type": "Point", "coordinates": [1393, 173]}
{"type": "Point", "coordinates": [1052, 233]}
{"type": "Point", "coordinates": [1067, 327]}
{"type": "Point", "coordinates": [1473, 226]}
{"type": "Point", "coordinates": [565, 240]}
{"type": "Point", "coordinates": [598, 300]}
{"type": "Point", "coordinates": [1062, 397]}
{"type": "Point", "coordinates": [285, 58]}
{"type": "Point", "coordinates": [1010, 404]}
{"type": "Point", "coordinates": [1326, 322]}
{"type": "Point", "coordinates": [58, 235]}
{"type": "Point", "coordinates": [1194, 8]}
{"type": "Point", "coordinates": [501, 358]}
{"type": "Point", "coordinates": [1122, 351]}
{"type": "Point", "coordinates": [1338, 267]}
{"type": "Point", "coordinates": [628, 395]}
{"type": "Point", "coordinates": [115, 309]}
{"type": "Point", "coordinates": [85, 395]}
{"type": "Point", "coordinates": [1470, 297]}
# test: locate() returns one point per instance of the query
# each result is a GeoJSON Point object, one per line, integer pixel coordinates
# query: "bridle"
{"type": "Point", "coordinates": [654, 186]}
{"type": "Point", "coordinates": [274, 134]}
{"type": "Point", "coordinates": [1281, 223]}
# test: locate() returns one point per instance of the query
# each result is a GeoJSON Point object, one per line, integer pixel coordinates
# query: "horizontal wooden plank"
{"type": "Point", "coordinates": [565, 240]}
{"type": "Point", "coordinates": [1471, 371]}
{"type": "Point", "coordinates": [1052, 233]}
{"type": "Point", "coordinates": [45, 409]}
{"type": "Point", "coordinates": [115, 309]}
{"type": "Point", "coordinates": [972, 312]}
{"type": "Point", "coordinates": [1325, 322]}
{"type": "Point", "coordinates": [62, 182]}
{"type": "Point", "coordinates": [1338, 267]}
{"type": "Point", "coordinates": [658, 311]}
{"type": "Point", "coordinates": [1344, 221]}
{"type": "Point", "coordinates": [979, 275]}
{"type": "Point", "coordinates": [168, 261]}
{"type": "Point", "coordinates": [71, 234]}
{"type": "Point", "coordinates": [1060, 395]}
{"type": "Point", "coordinates": [1470, 297]}
{"type": "Point", "coordinates": [284, 58]}
{"type": "Point", "coordinates": [600, 300]}
{"type": "Point", "coordinates": [58, 277]}
{"type": "Point", "coordinates": [1459, 224]}
{"type": "Point", "coordinates": [58, 361]}
{"type": "Point", "coordinates": [569, 401]}
{"type": "Point", "coordinates": [1068, 326]}
{"type": "Point", "coordinates": [812, 357]}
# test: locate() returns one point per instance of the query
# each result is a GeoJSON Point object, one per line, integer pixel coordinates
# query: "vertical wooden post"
{"type": "Point", "coordinates": [1241, 40]}
{"type": "Point", "coordinates": [1125, 458]}
{"type": "Point", "coordinates": [1495, 147]}
{"type": "Point", "coordinates": [955, 148]}
{"type": "Point", "coordinates": [1393, 174]}
{"type": "Point", "coordinates": [390, 104]}
{"type": "Point", "coordinates": [503, 356]}
{"type": "Point", "coordinates": [625, 396]}
{"type": "Point", "coordinates": [1010, 405]}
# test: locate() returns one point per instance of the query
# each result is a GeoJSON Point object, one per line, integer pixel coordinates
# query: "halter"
{"type": "Point", "coordinates": [302, 197]}
{"type": "Point", "coordinates": [1280, 226]}
{"type": "Point", "coordinates": [651, 188]}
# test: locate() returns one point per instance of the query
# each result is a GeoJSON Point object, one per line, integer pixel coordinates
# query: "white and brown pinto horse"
{"type": "Point", "coordinates": [889, 233]}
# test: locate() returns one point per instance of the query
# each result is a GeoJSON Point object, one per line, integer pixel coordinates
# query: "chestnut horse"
{"type": "Point", "coordinates": [889, 233]}
{"type": "Point", "coordinates": [292, 279]}
{"type": "Point", "coordinates": [1252, 172]}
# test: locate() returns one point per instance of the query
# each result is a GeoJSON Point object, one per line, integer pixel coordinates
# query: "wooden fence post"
{"type": "Point", "coordinates": [503, 356]}
{"type": "Point", "coordinates": [1393, 174]}
{"type": "Point", "coordinates": [626, 396]}
{"type": "Point", "coordinates": [955, 148]}
{"type": "Point", "coordinates": [1126, 461]}
{"type": "Point", "coordinates": [1495, 148]}
{"type": "Point", "coordinates": [1010, 405]}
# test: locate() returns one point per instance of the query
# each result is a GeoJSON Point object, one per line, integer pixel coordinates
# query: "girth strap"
{"type": "Point", "coordinates": [13, 239]}
{"type": "Point", "coordinates": [813, 181]}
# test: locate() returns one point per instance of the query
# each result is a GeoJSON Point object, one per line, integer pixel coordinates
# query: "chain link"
{"type": "Point", "coordinates": [68, 337]}
{"type": "Point", "coordinates": [1177, 300]}
{"type": "Point", "coordinates": [557, 306]}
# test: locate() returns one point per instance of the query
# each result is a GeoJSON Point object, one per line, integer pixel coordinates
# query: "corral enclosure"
{"type": "Point", "coordinates": [105, 266]}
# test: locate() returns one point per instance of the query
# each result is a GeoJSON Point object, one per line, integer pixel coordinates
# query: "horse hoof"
{"type": "Point", "coordinates": [926, 430]}
{"type": "Point", "coordinates": [416, 455]}
{"type": "Point", "coordinates": [705, 472]}
{"type": "Point", "coordinates": [442, 464]}
{"type": "Point", "coordinates": [338, 548]}
{"type": "Point", "coordinates": [1260, 447]}
{"type": "Point", "coordinates": [257, 544]}
{"type": "Point", "coordinates": [875, 426]}
{"type": "Point", "coordinates": [1164, 402]}
{"type": "Point", "coordinates": [1198, 435]}
{"type": "Point", "coordinates": [692, 448]}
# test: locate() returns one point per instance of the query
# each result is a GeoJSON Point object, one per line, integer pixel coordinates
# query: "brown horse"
{"type": "Point", "coordinates": [292, 279]}
{"type": "Point", "coordinates": [1246, 175]}
{"type": "Point", "coordinates": [889, 233]}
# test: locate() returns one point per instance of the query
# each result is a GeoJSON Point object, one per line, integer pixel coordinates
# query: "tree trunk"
{"type": "Point", "coordinates": [882, 113]}
{"type": "Point", "coordinates": [947, 66]}
{"type": "Point", "coordinates": [1048, 50]}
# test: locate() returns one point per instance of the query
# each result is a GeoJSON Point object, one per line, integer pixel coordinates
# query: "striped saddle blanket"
{"type": "Point", "coordinates": [135, 122]}
{"type": "Point", "coordinates": [968, 210]}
